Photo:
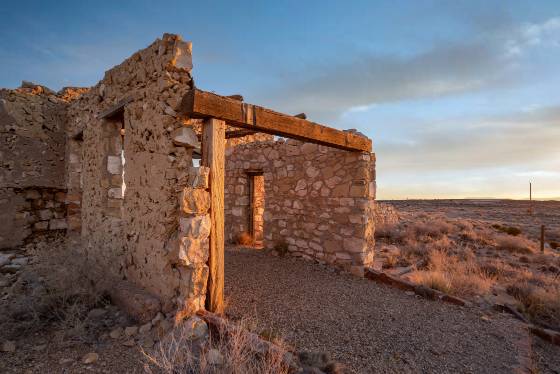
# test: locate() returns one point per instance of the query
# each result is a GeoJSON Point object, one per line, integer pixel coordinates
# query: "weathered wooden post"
{"type": "Point", "coordinates": [530, 198]}
{"type": "Point", "coordinates": [213, 156]}
{"type": "Point", "coordinates": [542, 238]}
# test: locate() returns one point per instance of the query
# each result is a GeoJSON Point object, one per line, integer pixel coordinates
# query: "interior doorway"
{"type": "Point", "coordinates": [256, 207]}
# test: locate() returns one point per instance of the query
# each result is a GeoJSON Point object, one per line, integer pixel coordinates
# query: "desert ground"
{"type": "Point", "coordinates": [485, 252]}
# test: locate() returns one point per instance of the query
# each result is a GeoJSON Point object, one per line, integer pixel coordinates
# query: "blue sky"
{"type": "Point", "coordinates": [460, 97]}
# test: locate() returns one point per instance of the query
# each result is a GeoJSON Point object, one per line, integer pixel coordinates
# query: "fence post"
{"type": "Point", "coordinates": [542, 238]}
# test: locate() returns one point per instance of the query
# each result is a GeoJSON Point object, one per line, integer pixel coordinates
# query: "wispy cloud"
{"type": "Point", "coordinates": [518, 139]}
{"type": "Point", "coordinates": [487, 61]}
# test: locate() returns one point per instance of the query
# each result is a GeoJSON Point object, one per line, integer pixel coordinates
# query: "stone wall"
{"type": "Point", "coordinates": [131, 233]}
{"type": "Point", "coordinates": [318, 200]}
{"type": "Point", "coordinates": [32, 142]}
{"type": "Point", "coordinates": [385, 214]}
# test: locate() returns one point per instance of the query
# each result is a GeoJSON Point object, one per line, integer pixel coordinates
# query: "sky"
{"type": "Point", "coordinates": [460, 98]}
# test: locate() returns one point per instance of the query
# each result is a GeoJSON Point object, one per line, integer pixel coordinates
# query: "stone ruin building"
{"type": "Point", "coordinates": [149, 176]}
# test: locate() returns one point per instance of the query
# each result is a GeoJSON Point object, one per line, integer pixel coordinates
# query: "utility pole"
{"type": "Point", "coordinates": [530, 198]}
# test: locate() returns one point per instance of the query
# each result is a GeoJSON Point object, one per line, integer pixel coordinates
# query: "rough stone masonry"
{"type": "Point", "coordinates": [113, 166]}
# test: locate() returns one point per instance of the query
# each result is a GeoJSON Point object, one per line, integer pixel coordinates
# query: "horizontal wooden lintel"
{"type": "Point", "coordinates": [201, 104]}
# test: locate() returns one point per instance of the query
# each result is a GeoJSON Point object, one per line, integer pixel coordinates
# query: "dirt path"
{"type": "Point", "coordinates": [368, 327]}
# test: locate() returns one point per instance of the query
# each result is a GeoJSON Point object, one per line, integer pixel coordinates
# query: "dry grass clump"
{"type": "Point", "coordinates": [227, 352]}
{"type": "Point", "coordinates": [434, 229]}
{"type": "Point", "coordinates": [515, 244]}
{"type": "Point", "coordinates": [244, 238]}
{"type": "Point", "coordinates": [541, 302]}
{"type": "Point", "coordinates": [73, 288]}
{"type": "Point", "coordinates": [454, 275]}
{"type": "Point", "coordinates": [57, 289]}
{"type": "Point", "coordinates": [510, 230]}
{"type": "Point", "coordinates": [432, 279]}
{"type": "Point", "coordinates": [386, 230]}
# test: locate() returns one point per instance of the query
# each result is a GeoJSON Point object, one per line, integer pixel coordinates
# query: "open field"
{"type": "Point", "coordinates": [507, 212]}
{"type": "Point", "coordinates": [486, 251]}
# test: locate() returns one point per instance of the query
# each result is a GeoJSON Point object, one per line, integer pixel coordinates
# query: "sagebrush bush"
{"type": "Point", "coordinates": [454, 275]}
{"type": "Point", "coordinates": [516, 244]}
{"type": "Point", "coordinates": [539, 301]}
{"type": "Point", "coordinates": [386, 230]}
{"type": "Point", "coordinates": [244, 238]}
{"type": "Point", "coordinates": [510, 230]}
{"type": "Point", "coordinates": [177, 353]}
{"type": "Point", "coordinates": [435, 228]}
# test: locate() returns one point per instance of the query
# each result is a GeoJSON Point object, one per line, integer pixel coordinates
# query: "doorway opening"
{"type": "Point", "coordinates": [256, 207]}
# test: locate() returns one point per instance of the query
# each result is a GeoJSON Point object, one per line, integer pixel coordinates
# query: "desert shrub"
{"type": "Point", "coordinates": [514, 244]}
{"type": "Point", "coordinates": [433, 229]}
{"type": "Point", "coordinates": [432, 279]}
{"type": "Point", "coordinates": [464, 225]}
{"type": "Point", "coordinates": [72, 286]}
{"type": "Point", "coordinates": [510, 230]}
{"type": "Point", "coordinates": [454, 275]}
{"type": "Point", "coordinates": [386, 231]}
{"type": "Point", "coordinates": [441, 244]}
{"type": "Point", "coordinates": [179, 354]}
{"type": "Point", "coordinates": [244, 238]}
{"type": "Point", "coordinates": [57, 288]}
{"type": "Point", "coordinates": [540, 304]}
{"type": "Point", "coordinates": [281, 248]}
{"type": "Point", "coordinates": [391, 260]}
{"type": "Point", "coordinates": [547, 258]}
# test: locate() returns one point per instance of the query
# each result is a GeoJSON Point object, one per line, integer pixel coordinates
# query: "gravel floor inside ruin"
{"type": "Point", "coordinates": [366, 326]}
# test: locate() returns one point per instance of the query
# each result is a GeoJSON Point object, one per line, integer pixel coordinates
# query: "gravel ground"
{"type": "Point", "coordinates": [546, 356]}
{"type": "Point", "coordinates": [368, 327]}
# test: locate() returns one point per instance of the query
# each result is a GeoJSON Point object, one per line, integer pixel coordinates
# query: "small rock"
{"type": "Point", "coordinates": [39, 348]}
{"type": "Point", "coordinates": [4, 282]}
{"type": "Point", "coordinates": [195, 328]}
{"type": "Point", "coordinates": [145, 328]}
{"type": "Point", "coordinates": [10, 268]}
{"type": "Point", "coordinates": [96, 313]}
{"type": "Point", "coordinates": [163, 327]}
{"type": "Point", "coordinates": [5, 258]}
{"type": "Point", "coordinates": [410, 293]}
{"type": "Point", "coordinates": [64, 361]}
{"type": "Point", "coordinates": [131, 331]}
{"type": "Point", "coordinates": [90, 358]}
{"type": "Point", "coordinates": [116, 333]}
{"type": "Point", "coordinates": [9, 346]}
{"type": "Point", "coordinates": [157, 318]}
{"type": "Point", "coordinates": [147, 342]}
{"type": "Point", "coordinates": [129, 343]}
{"type": "Point", "coordinates": [316, 359]}
{"type": "Point", "coordinates": [21, 261]}
{"type": "Point", "coordinates": [214, 357]}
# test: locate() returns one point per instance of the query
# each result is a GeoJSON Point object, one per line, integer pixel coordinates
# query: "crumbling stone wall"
{"type": "Point", "coordinates": [318, 200]}
{"type": "Point", "coordinates": [32, 142]}
{"type": "Point", "coordinates": [385, 214]}
{"type": "Point", "coordinates": [133, 235]}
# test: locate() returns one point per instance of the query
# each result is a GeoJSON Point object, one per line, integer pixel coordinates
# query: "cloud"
{"type": "Point", "coordinates": [519, 139]}
{"type": "Point", "coordinates": [487, 61]}
{"type": "Point", "coordinates": [535, 34]}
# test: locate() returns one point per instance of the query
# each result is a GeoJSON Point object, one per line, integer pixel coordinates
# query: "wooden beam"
{"type": "Point", "coordinates": [239, 133]}
{"type": "Point", "coordinates": [213, 156]}
{"type": "Point", "coordinates": [114, 109]}
{"type": "Point", "coordinates": [201, 104]}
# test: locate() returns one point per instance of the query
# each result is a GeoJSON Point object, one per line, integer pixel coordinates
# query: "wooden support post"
{"type": "Point", "coordinates": [542, 238]}
{"type": "Point", "coordinates": [213, 156]}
